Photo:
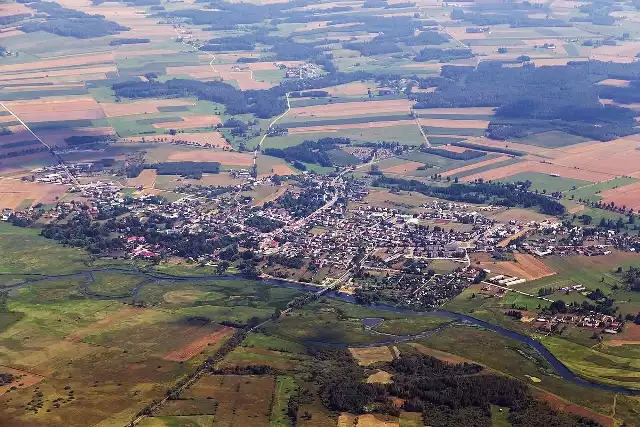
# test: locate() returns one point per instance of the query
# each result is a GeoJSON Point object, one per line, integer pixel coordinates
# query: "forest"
{"type": "Point", "coordinates": [532, 99]}
{"type": "Point", "coordinates": [511, 195]}
{"type": "Point", "coordinates": [118, 42]}
{"type": "Point", "coordinates": [447, 395]}
{"type": "Point", "coordinates": [70, 22]}
{"type": "Point", "coordinates": [185, 169]}
{"type": "Point", "coordinates": [488, 149]}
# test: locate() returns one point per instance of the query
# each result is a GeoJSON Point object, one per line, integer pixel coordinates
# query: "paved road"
{"type": "Point", "coordinates": [51, 150]}
{"type": "Point", "coordinates": [273, 122]}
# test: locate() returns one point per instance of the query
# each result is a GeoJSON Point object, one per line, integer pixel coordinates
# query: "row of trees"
{"type": "Point", "coordinates": [503, 194]}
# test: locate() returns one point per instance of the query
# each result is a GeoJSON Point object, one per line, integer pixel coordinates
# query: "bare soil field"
{"type": "Point", "coordinates": [243, 400]}
{"type": "Point", "coordinates": [76, 73]}
{"type": "Point", "coordinates": [403, 168]}
{"type": "Point", "coordinates": [146, 179]}
{"type": "Point", "coordinates": [337, 128]}
{"type": "Point", "coordinates": [197, 346]}
{"type": "Point", "coordinates": [625, 49]}
{"type": "Point", "coordinates": [454, 172]}
{"type": "Point", "coordinates": [460, 33]}
{"type": "Point", "coordinates": [444, 356]}
{"type": "Point", "coordinates": [367, 420]}
{"type": "Point", "coordinates": [204, 139]}
{"type": "Point", "coordinates": [525, 267]}
{"type": "Point", "coordinates": [223, 157]}
{"type": "Point", "coordinates": [547, 168]}
{"type": "Point", "coordinates": [629, 336]}
{"type": "Point", "coordinates": [13, 9]}
{"type": "Point", "coordinates": [353, 108]}
{"type": "Point", "coordinates": [627, 195]}
{"type": "Point", "coordinates": [616, 158]}
{"type": "Point", "coordinates": [351, 89]}
{"type": "Point", "coordinates": [455, 123]}
{"type": "Point", "coordinates": [369, 355]}
{"type": "Point", "coordinates": [518, 214]}
{"type": "Point", "coordinates": [273, 194]}
{"type": "Point", "coordinates": [57, 137]}
{"type": "Point", "coordinates": [10, 32]}
{"type": "Point", "coordinates": [147, 106]}
{"type": "Point", "coordinates": [381, 377]}
{"type": "Point", "coordinates": [14, 192]}
{"type": "Point", "coordinates": [615, 82]}
{"type": "Point", "coordinates": [241, 73]}
{"type": "Point", "coordinates": [190, 122]}
{"type": "Point", "coordinates": [67, 61]}
{"type": "Point", "coordinates": [55, 109]}
{"type": "Point", "coordinates": [22, 379]}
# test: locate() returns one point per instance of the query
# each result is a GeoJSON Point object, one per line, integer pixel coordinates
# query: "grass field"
{"type": "Point", "coordinates": [546, 183]}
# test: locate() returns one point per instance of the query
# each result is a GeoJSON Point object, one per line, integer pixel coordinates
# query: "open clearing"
{"type": "Point", "coordinates": [22, 379]}
{"type": "Point", "coordinates": [197, 346]}
{"type": "Point", "coordinates": [337, 128]}
{"type": "Point", "coordinates": [403, 168]}
{"type": "Point", "coordinates": [525, 267]}
{"type": "Point", "coordinates": [370, 355]}
{"type": "Point", "coordinates": [190, 122]}
{"type": "Point", "coordinates": [56, 109]}
{"type": "Point", "coordinates": [352, 108]}
{"type": "Point", "coordinates": [147, 106]}
{"type": "Point", "coordinates": [367, 420]}
{"type": "Point", "coordinates": [222, 157]}
{"type": "Point", "coordinates": [627, 195]}
{"type": "Point", "coordinates": [212, 139]}
{"type": "Point", "coordinates": [14, 192]}
{"type": "Point", "coordinates": [146, 179]}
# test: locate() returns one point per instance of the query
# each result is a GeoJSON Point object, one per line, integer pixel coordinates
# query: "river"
{"type": "Point", "coordinates": [158, 278]}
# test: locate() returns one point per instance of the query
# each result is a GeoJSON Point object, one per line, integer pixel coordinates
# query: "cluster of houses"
{"type": "Point", "coordinates": [597, 322]}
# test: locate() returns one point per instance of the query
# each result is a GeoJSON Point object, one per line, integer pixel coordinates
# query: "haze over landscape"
{"type": "Point", "coordinates": [309, 213]}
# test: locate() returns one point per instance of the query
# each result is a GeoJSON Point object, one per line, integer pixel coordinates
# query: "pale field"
{"type": "Point", "coordinates": [527, 266]}
{"type": "Point", "coordinates": [199, 344]}
{"type": "Point", "coordinates": [545, 168]}
{"type": "Point", "coordinates": [57, 137]}
{"type": "Point", "coordinates": [190, 122]}
{"type": "Point", "coordinates": [353, 108]}
{"type": "Point", "coordinates": [204, 139]}
{"type": "Point", "coordinates": [337, 128]}
{"type": "Point", "coordinates": [146, 179]}
{"type": "Point", "coordinates": [67, 61]}
{"type": "Point", "coordinates": [10, 33]}
{"type": "Point", "coordinates": [369, 355]}
{"type": "Point", "coordinates": [460, 33]}
{"type": "Point", "coordinates": [403, 168]}
{"type": "Point", "coordinates": [223, 157]}
{"type": "Point", "coordinates": [626, 49]}
{"type": "Point", "coordinates": [351, 89]}
{"type": "Point", "coordinates": [455, 123]}
{"type": "Point", "coordinates": [27, 379]}
{"type": "Point", "coordinates": [13, 9]}
{"type": "Point", "coordinates": [615, 82]}
{"type": "Point", "coordinates": [454, 172]}
{"type": "Point", "coordinates": [147, 106]}
{"type": "Point", "coordinates": [627, 195]}
{"type": "Point", "coordinates": [13, 192]}
{"type": "Point", "coordinates": [76, 73]}
{"type": "Point", "coordinates": [458, 111]}
{"type": "Point", "coordinates": [56, 108]}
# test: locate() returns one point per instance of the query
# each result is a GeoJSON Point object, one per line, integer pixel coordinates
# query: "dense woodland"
{"type": "Point", "coordinates": [465, 155]}
{"type": "Point", "coordinates": [533, 99]}
{"type": "Point", "coordinates": [186, 169]}
{"type": "Point", "coordinates": [315, 152]}
{"type": "Point", "coordinates": [447, 395]}
{"type": "Point", "coordinates": [512, 195]}
{"type": "Point", "coordinates": [70, 22]}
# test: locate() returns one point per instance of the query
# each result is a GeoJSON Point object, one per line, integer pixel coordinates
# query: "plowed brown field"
{"type": "Point", "coordinates": [194, 348]}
